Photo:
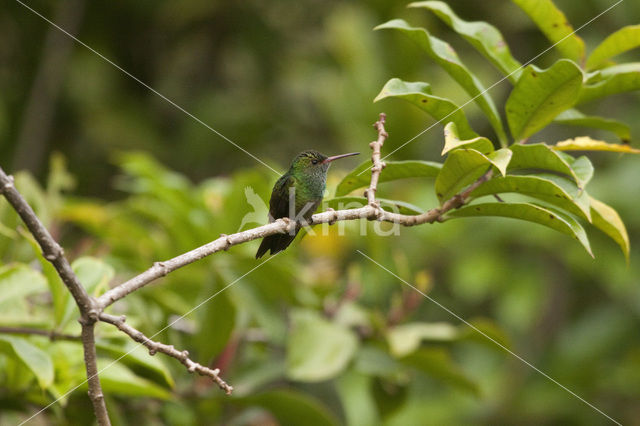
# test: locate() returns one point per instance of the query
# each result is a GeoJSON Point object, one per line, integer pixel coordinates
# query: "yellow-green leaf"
{"type": "Point", "coordinates": [624, 39]}
{"type": "Point", "coordinates": [445, 56]}
{"type": "Point", "coordinates": [555, 26]}
{"type": "Point", "coordinates": [452, 141]}
{"type": "Point", "coordinates": [419, 94]}
{"type": "Point", "coordinates": [608, 221]}
{"type": "Point", "coordinates": [318, 349]}
{"type": "Point", "coordinates": [542, 156]}
{"type": "Point", "coordinates": [585, 143]}
{"type": "Point", "coordinates": [406, 338]}
{"type": "Point", "coordinates": [552, 189]}
{"type": "Point", "coordinates": [464, 166]}
{"type": "Point", "coordinates": [573, 117]}
{"type": "Point", "coordinates": [529, 212]}
{"type": "Point", "coordinates": [540, 95]}
{"type": "Point", "coordinates": [612, 80]}
{"type": "Point", "coordinates": [360, 176]}
{"type": "Point", "coordinates": [484, 37]}
{"type": "Point", "coordinates": [34, 358]}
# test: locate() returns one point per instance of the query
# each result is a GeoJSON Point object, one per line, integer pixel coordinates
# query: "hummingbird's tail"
{"type": "Point", "coordinates": [275, 243]}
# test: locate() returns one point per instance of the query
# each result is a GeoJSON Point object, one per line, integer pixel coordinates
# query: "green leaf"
{"type": "Point", "coordinates": [95, 275]}
{"type": "Point", "coordinates": [552, 189]}
{"type": "Point", "coordinates": [394, 170]}
{"type": "Point", "coordinates": [529, 212]}
{"type": "Point", "coordinates": [488, 328]}
{"type": "Point", "coordinates": [395, 206]}
{"type": "Point", "coordinates": [59, 293]}
{"type": "Point", "coordinates": [119, 380]}
{"type": "Point", "coordinates": [219, 312]}
{"type": "Point", "coordinates": [443, 54]}
{"type": "Point", "coordinates": [500, 159]}
{"type": "Point", "coordinates": [290, 408]}
{"type": "Point", "coordinates": [484, 37]}
{"type": "Point", "coordinates": [624, 39]}
{"type": "Point", "coordinates": [540, 95]}
{"type": "Point", "coordinates": [35, 359]}
{"type": "Point", "coordinates": [574, 117]}
{"type": "Point", "coordinates": [137, 358]}
{"type": "Point", "coordinates": [612, 80]}
{"type": "Point", "coordinates": [608, 221]}
{"type": "Point", "coordinates": [437, 363]}
{"type": "Point", "coordinates": [542, 156]}
{"type": "Point", "coordinates": [19, 281]}
{"type": "Point", "coordinates": [452, 141]}
{"type": "Point", "coordinates": [318, 349]}
{"type": "Point", "coordinates": [465, 166]}
{"type": "Point", "coordinates": [406, 338]}
{"type": "Point", "coordinates": [554, 26]}
{"type": "Point", "coordinates": [461, 168]}
{"type": "Point", "coordinates": [358, 402]}
{"type": "Point", "coordinates": [585, 143]}
{"type": "Point", "coordinates": [419, 94]}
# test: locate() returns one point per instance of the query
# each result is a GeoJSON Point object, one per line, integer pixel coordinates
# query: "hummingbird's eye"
{"type": "Point", "coordinates": [314, 161]}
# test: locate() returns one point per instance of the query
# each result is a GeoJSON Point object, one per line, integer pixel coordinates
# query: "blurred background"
{"type": "Point", "coordinates": [123, 178]}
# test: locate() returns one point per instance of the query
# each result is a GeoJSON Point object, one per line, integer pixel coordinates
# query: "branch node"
{"type": "Point", "coordinates": [227, 242]}
{"type": "Point", "coordinates": [163, 268]}
{"type": "Point", "coordinates": [9, 184]}
{"type": "Point", "coordinates": [54, 253]}
{"type": "Point", "coordinates": [334, 216]}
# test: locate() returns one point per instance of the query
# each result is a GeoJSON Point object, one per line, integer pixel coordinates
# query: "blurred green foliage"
{"type": "Point", "coordinates": [318, 332]}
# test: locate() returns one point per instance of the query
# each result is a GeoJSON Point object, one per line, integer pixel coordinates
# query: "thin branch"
{"type": "Point", "coordinates": [91, 308]}
{"type": "Point", "coordinates": [378, 164]}
{"type": "Point", "coordinates": [51, 334]}
{"type": "Point", "coordinates": [154, 347]}
{"type": "Point", "coordinates": [372, 211]}
{"type": "Point", "coordinates": [91, 364]}
{"type": "Point", "coordinates": [52, 251]}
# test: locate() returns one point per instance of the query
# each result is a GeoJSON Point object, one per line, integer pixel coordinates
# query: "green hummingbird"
{"type": "Point", "coordinates": [297, 195]}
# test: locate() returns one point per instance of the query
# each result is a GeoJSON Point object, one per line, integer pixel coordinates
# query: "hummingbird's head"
{"type": "Point", "coordinates": [314, 162]}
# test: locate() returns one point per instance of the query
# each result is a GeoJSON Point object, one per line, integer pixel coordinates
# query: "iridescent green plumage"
{"type": "Point", "coordinates": [297, 195]}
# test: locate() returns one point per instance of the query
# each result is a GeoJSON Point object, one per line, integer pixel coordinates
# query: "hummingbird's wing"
{"type": "Point", "coordinates": [279, 202]}
{"type": "Point", "coordinates": [278, 207]}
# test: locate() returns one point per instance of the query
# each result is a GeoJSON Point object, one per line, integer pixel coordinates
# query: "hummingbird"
{"type": "Point", "coordinates": [297, 195]}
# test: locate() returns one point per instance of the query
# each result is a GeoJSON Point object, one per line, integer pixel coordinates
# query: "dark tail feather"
{"type": "Point", "coordinates": [275, 243]}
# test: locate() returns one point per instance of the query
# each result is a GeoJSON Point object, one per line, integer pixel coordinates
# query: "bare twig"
{"type": "Point", "coordinates": [91, 309]}
{"type": "Point", "coordinates": [51, 334]}
{"type": "Point", "coordinates": [378, 164]}
{"type": "Point", "coordinates": [371, 211]}
{"type": "Point", "coordinates": [52, 251]}
{"type": "Point", "coordinates": [91, 365]}
{"type": "Point", "coordinates": [154, 347]}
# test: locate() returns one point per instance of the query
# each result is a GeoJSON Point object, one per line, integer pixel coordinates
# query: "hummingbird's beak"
{"type": "Point", "coordinates": [336, 157]}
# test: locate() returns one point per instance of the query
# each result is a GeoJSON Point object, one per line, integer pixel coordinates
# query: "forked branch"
{"type": "Point", "coordinates": [91, 309]}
